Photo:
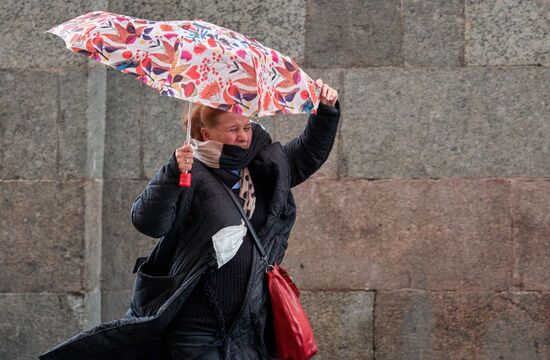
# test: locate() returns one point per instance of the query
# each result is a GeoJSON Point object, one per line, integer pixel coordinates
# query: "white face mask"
{"type": "Point", "coordinates": [227, 242]}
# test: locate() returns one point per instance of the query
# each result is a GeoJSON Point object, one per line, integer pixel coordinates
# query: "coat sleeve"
{"type": "Point", "coordinates": [311, 148]}
{"type": "Point", "coordinates": [154, 210]}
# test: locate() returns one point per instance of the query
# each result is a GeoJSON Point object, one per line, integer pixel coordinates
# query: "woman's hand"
{"type": "Point", "coordinates": [328, 95]}
{"type": "Point", "coordinates": [184, 156]}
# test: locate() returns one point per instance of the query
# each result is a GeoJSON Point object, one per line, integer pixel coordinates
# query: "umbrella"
{"type": "Point", "coordinates": [195, 61]}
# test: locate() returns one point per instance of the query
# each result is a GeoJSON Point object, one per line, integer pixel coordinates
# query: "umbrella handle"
{"type": "Point", "coordinates": [185, 180]}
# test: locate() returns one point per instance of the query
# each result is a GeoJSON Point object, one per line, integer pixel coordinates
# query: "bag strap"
{"type": "Point", "coordinates": [246, 220]}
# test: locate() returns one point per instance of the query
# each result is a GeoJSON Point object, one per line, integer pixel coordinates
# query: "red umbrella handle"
{"type": "Point", "coordinates": [185, 180]}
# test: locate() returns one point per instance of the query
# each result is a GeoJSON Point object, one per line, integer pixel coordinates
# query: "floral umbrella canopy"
{"type": "Point", "coordinates": [196, 61]}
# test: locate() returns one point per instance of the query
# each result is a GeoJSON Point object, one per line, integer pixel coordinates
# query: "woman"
{"type": "Point", "coordinates": [225, 314]}
{"type": "Point", "coordinates": [201, 293]}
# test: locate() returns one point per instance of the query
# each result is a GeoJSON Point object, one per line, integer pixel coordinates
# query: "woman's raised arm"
{"type": "Point", "coordinates": [307, 152]}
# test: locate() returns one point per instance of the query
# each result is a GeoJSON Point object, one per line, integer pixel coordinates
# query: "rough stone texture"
{"type": "Point", "coordinates": [433, 32]}
{"type": "Point", "coordinates": [93, 239]}
{"type": "Point", "coordinates": [284, 128]}
{"type": "Point", "coordinates": [477, 122]}
{"type": "Point", "coordinates": [143, 128]}
{"type": "Point", "coordinates": [44, 236]}
{"type": "Point", "coordinates": [507, 32]}
{"type": "Point", "coordinates": [31, 323]}
{"type": "Point", "coordinates": [71, 122]}
{"type": "Point", "coordinates": [28, 116]}
{"type": "Point", "coordinates": [278, 24]}
{"type": "Point", "coordinates": [49, 135]}
{"type": "Point", "coordinates": [81, 122]}
{"type": "Point", "coordinates": [162, 129]}
{"type": "Point", "coordinates": [122, 243]}
{"type": "Point", "coordinates": [23, 38]}
{"type": "Point", "coordinates": [388, 235]}
{"type": "Point", "coordinates": [353, 33]}
{"type": "Point", "coordinates": [342, 323]}
{"type": "Point", "coordinates": [114, 304]}
{"type": "Point", "coordinates": [531, 226]}
{"type": "Point", "coordinates": [157, 10]}
{"type": "Point", "coordinates": [95, 117]}
{"type": "Point", "coordinates": [62, 131]}
{"type": "Point", "coordinates": [447, 325]}
{"type": "Point", "coordinates": [270, 125]}
{"type": "Point", "coordinates": [123, 133]}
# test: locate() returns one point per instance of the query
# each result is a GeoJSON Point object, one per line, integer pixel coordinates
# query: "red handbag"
{"type": "Point", "coordinates": [293, 333]}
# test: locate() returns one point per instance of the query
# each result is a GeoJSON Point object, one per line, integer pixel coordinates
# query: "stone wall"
{"type": "Point", "coordinates": [424, 236]}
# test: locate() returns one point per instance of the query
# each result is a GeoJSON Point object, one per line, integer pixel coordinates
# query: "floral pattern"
{"type": "Point", "coordinates": [195, 61]}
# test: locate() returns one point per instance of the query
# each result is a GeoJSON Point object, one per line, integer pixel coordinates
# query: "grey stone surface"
{"type": "Point", "coordinates": [49, 133]}
{"type": "Point", "coordinates": [123, 149]}
{"type": "Point", "coordinates": [114, 304]}
{"type": "Point", "coordinates": [531, 226]}
{"type": "Point", "coordinates": [32, 323]}
{"type": "Point", "coordinates": [122, 243]}
{"type": "Point", "coordinates": [81, 122]}
{"type": "Point", "coordinates": [158, 10]}
{"type": "Point", "coordinates": [342, 323]}
{"type": "Point", "coordinates": [278, 24]}
{"type": "Point", "coordinates": [270, 125]}
{"type": "Point", "coordinates": [67, 122]}
{"type": "Point", "coordinates": [95, 119]}
{"type": "Point", "coordinates": [473, 122]}
{"type": "Point", "coordinates": [450, 325]}
{"type": "Point", "coordinates": [507, 32]}
{"type": "Point", "coordinates": [162, 129]}
{"type": "Point", "coordinates": [93, 194]}
{"type": "Point", "coordinates": [433, 32]}
{"type": "Point", "coordinates": [353, 33]}
{"type": "Point", "coordinates": [28, 118]}
{"type": "Point", "coordinates": [451, 234]}
{"type": "Point", "coordinates": [71, 126]}
{"type": "Point", "coordinates": [44, 236]}
{"type": "Point", "coordinates": [23, 41]}
{"type": "Point", "coordinates": [142, 128]}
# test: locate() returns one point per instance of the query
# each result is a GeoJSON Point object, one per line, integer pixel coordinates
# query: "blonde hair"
{"type": "Point", "coordinates": [203, 116]}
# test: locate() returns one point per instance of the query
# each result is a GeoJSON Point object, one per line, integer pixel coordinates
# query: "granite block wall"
{"type": "Point", "coordinates": [425, 234]}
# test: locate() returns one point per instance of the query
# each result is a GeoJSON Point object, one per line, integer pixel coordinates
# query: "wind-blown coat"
{"type": "Point", "coordinates": [185, 219]}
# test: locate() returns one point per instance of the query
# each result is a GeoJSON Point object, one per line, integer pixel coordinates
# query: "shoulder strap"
{"type": "Point", "coordinates": [243, 215]}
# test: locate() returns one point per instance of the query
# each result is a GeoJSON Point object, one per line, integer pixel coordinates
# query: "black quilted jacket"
{"type": "Point", "coordinates": [185, 219]}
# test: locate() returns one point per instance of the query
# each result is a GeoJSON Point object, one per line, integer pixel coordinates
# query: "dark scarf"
{"type": "Point", "coordinates": [221, 158]}
{"type": "Point", "coordinates": [217, 155]}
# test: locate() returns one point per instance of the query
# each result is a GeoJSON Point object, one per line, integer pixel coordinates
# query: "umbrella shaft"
{"type": "Point", "coordinates": [188, 135]}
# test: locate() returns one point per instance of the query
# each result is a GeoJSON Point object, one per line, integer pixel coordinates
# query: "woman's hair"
{"type": "Point", "coordinates": [203, 116]}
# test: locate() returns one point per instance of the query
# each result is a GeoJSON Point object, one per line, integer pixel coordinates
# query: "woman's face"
{"type": "Point", "coordinates": [232, 129]}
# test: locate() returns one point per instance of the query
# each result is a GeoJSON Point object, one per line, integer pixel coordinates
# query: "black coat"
{"type": "Point", "coordinates": [167, 276]}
